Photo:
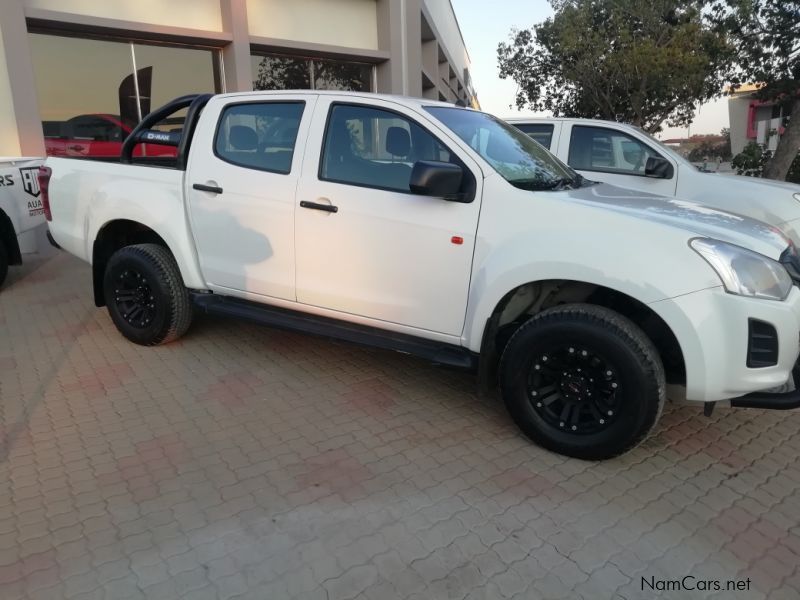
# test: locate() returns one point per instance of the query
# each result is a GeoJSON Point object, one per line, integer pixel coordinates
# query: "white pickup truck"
{"type": "Point", "coordinates": [21, 210]}
{"type": "Point", "coordinates": [627, 156]}
{"type": "Point", "coordinates": [442, 232]}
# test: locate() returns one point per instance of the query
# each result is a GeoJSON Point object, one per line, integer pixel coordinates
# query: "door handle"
{"type": "Point", "coordinates": [75, 148]}
{"type": "Point", "coordinates": [214, 189]}
{"type": "Point", "coordinates": [317, 206]}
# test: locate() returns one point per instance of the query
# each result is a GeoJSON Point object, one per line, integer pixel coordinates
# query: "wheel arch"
{"type": "Point", "coordinates": [528, 299]}
{"type": "Point", "coordinates": [8, 237]}
{"type": "Point", "coordinates": [113, 236]}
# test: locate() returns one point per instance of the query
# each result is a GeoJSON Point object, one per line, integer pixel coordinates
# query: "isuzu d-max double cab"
{"type": "Point", "coordinates": [443, 232]}
{"type": "Point", "coordinates": [21, 210]}
{"type": "Point", "coordinates": [627, 156]}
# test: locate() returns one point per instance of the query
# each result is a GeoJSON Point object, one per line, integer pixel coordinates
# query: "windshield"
{"type": "Point", "coordinates": [519, 159]}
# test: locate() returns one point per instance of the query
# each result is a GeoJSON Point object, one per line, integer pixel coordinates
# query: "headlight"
{"type": "Point", "coordinates": [797, 196]}
{"type": "Point", "coordinates": [744, 272]}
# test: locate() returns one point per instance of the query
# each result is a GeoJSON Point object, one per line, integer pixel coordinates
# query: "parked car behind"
{"type": "Point", "coordinates": [94, 136]}
{"type": "Point", "coordinates": [439, 231]}
{"type": "Point", "coordinates": [21, 210]}
{"type": "Point", "coordinates": [627, 156]}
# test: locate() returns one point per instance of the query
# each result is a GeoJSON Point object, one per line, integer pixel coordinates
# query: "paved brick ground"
{"type": "Point", "coordinates": [243, 462]}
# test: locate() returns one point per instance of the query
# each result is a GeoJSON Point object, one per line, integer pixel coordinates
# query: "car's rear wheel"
{"type": "Point", "coordinates": [583, 381]}
{"type": "Point", "coordinates": [145, 295]}
{"type": "Point", "coordinates": [3, 262]}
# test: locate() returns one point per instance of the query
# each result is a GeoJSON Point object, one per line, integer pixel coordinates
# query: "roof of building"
{"type": "Point", "coordinates": [747, 88]}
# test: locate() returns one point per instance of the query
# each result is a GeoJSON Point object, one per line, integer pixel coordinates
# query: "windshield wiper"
{"type": "Point", "coordinates": [550, 185]}
{"type": "Point", "coordinates": [532, 185]}
{"type": "Point", "coordinates": [561, 183]}
{"type": "Point", "coordinates": [581, 181]}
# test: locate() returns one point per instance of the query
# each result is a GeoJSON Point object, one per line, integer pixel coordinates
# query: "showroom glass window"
{"type": "Point", "coordinates": [89, 100]}
{"type": "Point", "coordinates": [276, 72]}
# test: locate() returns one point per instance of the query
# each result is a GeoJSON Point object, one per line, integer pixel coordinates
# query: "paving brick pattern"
{"type": "Point", "coordinates": [244, 462]}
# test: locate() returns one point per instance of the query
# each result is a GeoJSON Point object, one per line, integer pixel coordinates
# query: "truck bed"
{"type": "Point", "coordinates": [77, 184]}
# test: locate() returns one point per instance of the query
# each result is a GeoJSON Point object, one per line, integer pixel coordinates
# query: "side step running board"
{"type": "Point", "coordinates": [772, 400]}
{"type": "Point", "coordinates": [768, 401]}
{"type": "Point", "coordinates": [281, 318]}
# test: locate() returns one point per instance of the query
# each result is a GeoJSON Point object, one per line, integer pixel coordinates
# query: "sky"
{"type": "Point", "coordinates": [485, 24]}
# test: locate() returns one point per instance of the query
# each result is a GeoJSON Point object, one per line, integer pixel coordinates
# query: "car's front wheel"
{"type": "Point", "coordinates": [583, 381]}
{"type": "Point", "coordinates": [145, 295]}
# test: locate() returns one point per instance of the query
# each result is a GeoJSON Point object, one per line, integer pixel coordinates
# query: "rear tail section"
{"type": "Point", "coordinates": [44, 189]}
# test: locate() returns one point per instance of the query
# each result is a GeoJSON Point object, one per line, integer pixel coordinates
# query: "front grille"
{"type": "Point", "coordinates": [762, 344]}
{"type": "Point", "coordinates": [791, 262]}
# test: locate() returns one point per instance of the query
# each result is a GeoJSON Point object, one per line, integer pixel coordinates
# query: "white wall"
{"type": "Point", "coordinates": [444, 20]}
{"type": "Point", "coordinates": [737, 112]}
{"type": "Point", "coordinates": [9, 135]}
{"type": "Point", "coordinates": [195, 14]}
{"type": "Point", "coordinates": [352, 23]}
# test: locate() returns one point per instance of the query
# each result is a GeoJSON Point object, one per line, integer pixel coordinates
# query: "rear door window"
{"type": "Point", "coordinates": [259, 135]}
{"type": "Point", "coordinates": [541, 132]}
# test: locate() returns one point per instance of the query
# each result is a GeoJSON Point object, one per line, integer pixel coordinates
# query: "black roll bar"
{"type": "Point", "coordinates": [143, 134]}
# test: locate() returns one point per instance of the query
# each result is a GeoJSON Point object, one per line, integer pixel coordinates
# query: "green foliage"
{"type": "Point", "coordinates": [766, 34]}
{"type": "Point", "coordinates": [627, 60]}
{"type": "Point", "coordinates": [712, 149]}
{"type": "Point", "coordinates": [752, 161]}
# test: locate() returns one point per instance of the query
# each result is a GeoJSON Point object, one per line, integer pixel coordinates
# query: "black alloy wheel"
{"type": "Point", "coordinates": [145, 294]}
{"type": "Point", "coordinates": [574, 388]}
{"type": "Point", "coordinates": [133, 295]}
{"type": "Point", "coordinates": [583, 381]}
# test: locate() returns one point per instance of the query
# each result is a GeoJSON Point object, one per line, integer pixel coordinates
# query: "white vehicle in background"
{"type": "Point", "coordinates": [21, 210]}
{"type": "Point", "coordinates": [443, 232]}
{"type": "Point", "coordinates": [626, 156]}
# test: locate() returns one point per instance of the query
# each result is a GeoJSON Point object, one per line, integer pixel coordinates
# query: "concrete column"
{"type": "Point", "coordinates": [236, 55]}
{"type": "Point", "coordinates": [20, 120]}
{"type": "Point", "coordinates": [391, 15]}
{"type": "Point", "coordinates": [400, 34]}
{"type": "Point", "coordinates": [413, 48]}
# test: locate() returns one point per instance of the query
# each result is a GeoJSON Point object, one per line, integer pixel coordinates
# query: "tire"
{"type": "Point", "coordinates": [593, 360]}
{"type": "Point", "coordinates": [145, 295]}
{"type": "Point", "coordinates": [3, 262]}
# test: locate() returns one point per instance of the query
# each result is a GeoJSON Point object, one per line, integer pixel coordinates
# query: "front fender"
{"type": "Point", "coordinates": [645, 276]}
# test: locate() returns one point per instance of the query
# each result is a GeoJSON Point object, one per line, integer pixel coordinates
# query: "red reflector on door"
{"type": "Point", "coordinates": [457, 240]}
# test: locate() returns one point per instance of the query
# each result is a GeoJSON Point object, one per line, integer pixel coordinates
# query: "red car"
{"type": "Point", "coordinates": [94, 136]}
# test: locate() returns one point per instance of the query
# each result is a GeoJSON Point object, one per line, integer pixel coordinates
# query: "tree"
{"type": "Point", "coordinates": [767, 38]}
{"type": "Point", "coordinates": [753, 160]}
{"type": "Point", "coordinates": [711, 146]}
{"type": "Point", "coordinates": [282, 73]}
{"type": "Point", "coordinates": [289, 73]}
{"type": "Point", "coordinates": [627, 60]}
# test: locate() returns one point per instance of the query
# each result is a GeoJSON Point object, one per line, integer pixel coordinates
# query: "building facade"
{"type": "Point", "coordinates": [754, 120]}
{"type": "Point", "coordinates": [76, 75]}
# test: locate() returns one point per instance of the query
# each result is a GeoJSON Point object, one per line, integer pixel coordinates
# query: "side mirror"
{"type": "Point", "coordinates": [658, 168]}
{"type": "Point", "coordinates": [433, 178]}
